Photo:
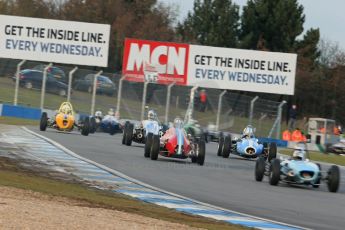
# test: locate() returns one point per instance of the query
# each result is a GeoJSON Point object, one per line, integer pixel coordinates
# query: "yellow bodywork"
{"type": "Point", "coordinates": [64, 118]}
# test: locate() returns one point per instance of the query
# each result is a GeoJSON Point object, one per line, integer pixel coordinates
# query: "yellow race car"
{"type": "Point", "coordinates": [64, 120]}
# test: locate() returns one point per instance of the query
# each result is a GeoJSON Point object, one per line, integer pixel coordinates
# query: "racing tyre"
{"type": "Point", "coordinates": [260, 169]}
{"type": "Point", "coordinates": [124, 133]}
{"type": "Point", "coordinates": [333, 178]}
{"type": "Point", "coordinates": [44, 121]}
{"type": "Point", "coordinates": [318, 181]}
{"type": "Point", "coordinates": [272, 152]}
{"type": "Point", "coordinates": [275, 172]}
{"type": "Point", "coordinates": [129, 134]}
{"type": "Point", "coordinates": [148, 144]}
{"type": "Point", "coordinates": [226, 147]}
{"type": "Point", "coordinates": [220, 146]}
{"type": "Point", "coordinates": [85, 130]}
{"type": "Point", "coordinates": [202, 152]}
{"type": "Point", "coordinates": [155, 147]}
{"type": "Point", "coordinates": [92, 125]}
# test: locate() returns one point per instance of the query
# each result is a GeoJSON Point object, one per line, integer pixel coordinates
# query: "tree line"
{"type": "Point", "coordinates": [268, 25]}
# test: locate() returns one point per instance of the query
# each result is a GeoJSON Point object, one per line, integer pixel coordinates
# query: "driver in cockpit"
{"type": "Point", "coordinates": [248, 132]}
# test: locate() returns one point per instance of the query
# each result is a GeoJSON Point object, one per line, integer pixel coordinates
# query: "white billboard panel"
{"type": "Point", "coordinates": [245, 70]}
{"type": "Point", "coordinates": [56, 41]}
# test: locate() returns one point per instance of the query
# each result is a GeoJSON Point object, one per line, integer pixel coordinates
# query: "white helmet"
{"type": "Point", "coordinates": [98, 114]}
{"type": "Point", "coordinates": [299, 154]}
{"type": "Point", "coordinates": [111, 112]}
{"type": "Point", "coordinates": [178, 123]}
{"type": "Point", "coordinates": [249, 131]}
{"type": "Point", "coordinates": [151, 115]}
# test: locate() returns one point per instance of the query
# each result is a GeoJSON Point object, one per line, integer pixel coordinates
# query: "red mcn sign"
{"type": "Point", "coordinates": [161, 62]}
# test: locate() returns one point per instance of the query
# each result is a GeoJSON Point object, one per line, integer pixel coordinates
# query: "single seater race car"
{"type": "Point", "coordinates": [138, 132]}
{"type": "Point", "coordinates": [247, 146]}
{"type": "Point", "coordinates": [297, 170]}
{"type": "Point", "coordinates": [193, 128]}
{"type": "Point", "coordinates": [64, 120]}
{"type": "Point", "coordinates": [108, 123]}
{"type": "Point", "coordinates": [175, 143]}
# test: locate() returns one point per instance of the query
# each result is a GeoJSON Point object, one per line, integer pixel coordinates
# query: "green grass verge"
{"type": "Point", "coordinates": [12, 176]}
{"type": "Point", "coordinates": [17, 121]}
{"type": "Point", "coordinates": [317, 156]}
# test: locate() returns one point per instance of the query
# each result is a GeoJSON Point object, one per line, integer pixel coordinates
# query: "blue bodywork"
{"type": "Point", "coordinates": [110, 125]}
{"type": "Point", "coordinates": [248, 147]}
{"type": "Point", "coordinates": [300, 171]}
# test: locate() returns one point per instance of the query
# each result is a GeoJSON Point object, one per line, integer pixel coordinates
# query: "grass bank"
{"type": "Point", "coordinates": [13, 176]}
{"type": "Point", "coordinates": [322, 157]}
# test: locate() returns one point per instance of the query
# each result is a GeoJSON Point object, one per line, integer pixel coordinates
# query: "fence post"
{"type": "Point", "coordinates": [280, 110]}
{"type": "Point", "coordinates": [251, 110]}
{"type": "Point", "coordinates": [119, 95]}
{"type": "Point", "coordinates": [44, 81]}
{"type": "Point", "coordinates": [94, 92]}
{"type": "Point", "coordinates": [144, 101]}
{"type": "Point", "coordinates": [167, 106]}
{"type": "Point", "coordinates": [219, 108]}
{"type": "Point", "coordinates": [15, 102]}
{"type": "Point", "coordinates": [70, 83]}
{"type": "Point", "coordinates": [189, 113]}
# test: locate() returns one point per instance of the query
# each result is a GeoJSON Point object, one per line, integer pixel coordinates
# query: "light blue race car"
{"type": "Point", "coordinates": [247, 146]}
{"type": "Point", "coordinates": [297, 170]}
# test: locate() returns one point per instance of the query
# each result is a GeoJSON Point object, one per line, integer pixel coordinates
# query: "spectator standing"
{"type": "Point", "coordinates": [292, 118]}
{"type": "Point", "coordinates": [203, 100]}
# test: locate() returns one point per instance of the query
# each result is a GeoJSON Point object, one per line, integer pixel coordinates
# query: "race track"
{"type": "Point", "coordinates": [228, 183]}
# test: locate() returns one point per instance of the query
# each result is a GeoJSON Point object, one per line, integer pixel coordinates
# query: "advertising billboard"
{"type": "Point", "coordinates": [56, 41]}
{"type": "Point", "coordinates": [209, 67]}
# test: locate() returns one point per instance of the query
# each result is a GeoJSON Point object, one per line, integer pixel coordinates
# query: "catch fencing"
{"type": "Point", "coordinates": [224, 110]}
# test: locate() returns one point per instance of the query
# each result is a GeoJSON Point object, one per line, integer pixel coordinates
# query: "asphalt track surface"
{"type": "Point", "coordinates": [228, 183]}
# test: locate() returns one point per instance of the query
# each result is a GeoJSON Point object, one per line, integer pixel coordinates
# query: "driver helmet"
{"type": "Point", "coordinates": [111, 112]}
{"type": "Point", "coordinates": [178, 123]}
{"type": "Point", "coordinates": [98, 114]}
{"type": "Point", "coordinates": [151, 115]}
{"type": "Point", "coordinates": [248, 131]}
{"type": "Point", "coordinates": [298, 154]}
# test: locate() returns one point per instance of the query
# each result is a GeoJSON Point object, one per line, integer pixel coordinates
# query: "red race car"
{"type": "Point", "coordinates": [175, 143]}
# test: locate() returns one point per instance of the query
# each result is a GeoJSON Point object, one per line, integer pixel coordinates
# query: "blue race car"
{"type": "Point", "coordinates": [297, 170]}
{"type": "Point", "coordinates": [108, 124]}
{"type": "Point", "coordinates": [247, 146]}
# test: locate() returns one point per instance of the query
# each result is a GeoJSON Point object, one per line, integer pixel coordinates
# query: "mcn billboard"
{"type": "Point", "coordinates": [210, 67]}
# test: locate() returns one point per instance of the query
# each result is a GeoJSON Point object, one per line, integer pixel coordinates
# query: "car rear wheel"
{"type": "Point", "coordinates": [201, 153]}
{"type": "Point", "coordinates": [44, 121]}
{"type": "Point", "coordinates": [85, 130]}
{"type": "Point", "coordinates": [92, 125]}
{"type": "Point", "coordinates": [333, 178]}
{"type": "Point", "coordinates": [124, 133]}
{"type": "Point", "coordinates": [220, 146]}
{"type": "Point", "coordinates": [226, 147]}
{"type": "Point", "coordinates": [275, 172]}
{"type": "Point", "coordinates": [148, 144]}
{"type": "Point", "coordinates": [28, 85]}
{"type": "Point", "coordinates": [155, 148]}
{"type": "Point", "coordinates": [62, 92]}
{"type": "Point", "coordinates": [272, 152]}
{"type": "Point", "coordinates": [259, 169]}
{"type": "Point", "coordinates": [129, 134]}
